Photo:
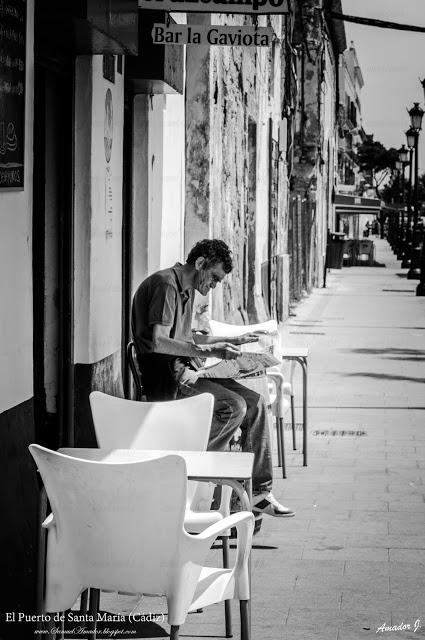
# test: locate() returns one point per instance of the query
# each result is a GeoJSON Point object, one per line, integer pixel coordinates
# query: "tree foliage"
{"type": "Point", "coordinates": [376, 162]}
{"type": "Point", "coordinates": [397, 192]}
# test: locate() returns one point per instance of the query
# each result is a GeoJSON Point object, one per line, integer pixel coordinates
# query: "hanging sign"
{"type": "Point", "coordinates": [212, 34]}
{"type": "Point", "coordinates": [218, 6]}
{"type": "Point", "coordinates": [12, 93]}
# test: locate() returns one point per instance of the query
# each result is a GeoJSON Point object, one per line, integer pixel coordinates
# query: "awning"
{"type": "Point", "coordinates": [355, 205]}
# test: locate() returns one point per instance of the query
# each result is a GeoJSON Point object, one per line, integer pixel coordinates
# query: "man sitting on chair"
{"type": "Point", "coordinates": [168, 356]}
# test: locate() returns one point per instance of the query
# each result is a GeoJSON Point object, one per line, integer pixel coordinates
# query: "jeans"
{"type": "Point", "coordinates": [236, 406]}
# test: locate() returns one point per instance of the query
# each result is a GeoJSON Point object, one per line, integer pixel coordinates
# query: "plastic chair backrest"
{"type": "Point", "coordinates": [117, 526]}
{"type": "Point", "coordinates": [182, 425]}
{"type": "Point", "coordinates": [127, 424]}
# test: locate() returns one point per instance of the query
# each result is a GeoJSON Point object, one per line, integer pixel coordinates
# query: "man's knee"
{"type": "Point", "coordinates": [240, 407]}
{"type": "Point", "coordinates": [232, 409]}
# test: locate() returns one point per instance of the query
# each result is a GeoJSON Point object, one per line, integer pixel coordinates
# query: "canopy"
{"type": "Point", "coordinates": [355, 205]}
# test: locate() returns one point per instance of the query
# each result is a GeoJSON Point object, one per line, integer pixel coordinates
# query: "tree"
{"type": "Point", "coordinates": [393, 192]}
{"type": "Point", "coordinates": [376, 162]}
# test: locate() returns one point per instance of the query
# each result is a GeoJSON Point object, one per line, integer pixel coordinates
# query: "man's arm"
{"type": "Point", "coordinates": [201, 338]}
{"type": "Point", "coordinates": [162, 343]}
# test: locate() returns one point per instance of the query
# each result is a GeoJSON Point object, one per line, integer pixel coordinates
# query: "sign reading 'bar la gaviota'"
{"type": "Point", "coordinates": [204, 35]}
{"type": "Point", "coordinates": [218, 6]}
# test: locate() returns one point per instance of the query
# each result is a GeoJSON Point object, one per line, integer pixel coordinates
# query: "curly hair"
{"type": "Point", "coordinates": [214, 251]}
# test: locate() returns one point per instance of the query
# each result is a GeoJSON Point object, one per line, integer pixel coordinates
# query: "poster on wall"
{"type": "Point", "coordinates": [12, 93]}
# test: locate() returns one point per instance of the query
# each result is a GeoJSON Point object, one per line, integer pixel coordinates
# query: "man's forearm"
{"type": "Point", "coordinates": [202, 338]}
{"type": "Point", "coordinates": [173, 347]}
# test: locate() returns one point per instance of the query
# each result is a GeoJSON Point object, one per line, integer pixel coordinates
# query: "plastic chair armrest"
{"type": "Point", "coordinates": [235, 520]}
{"type": "Point", "coordinates": [278, 379]}
{"type": "Point", "coordinates": [226, 494]}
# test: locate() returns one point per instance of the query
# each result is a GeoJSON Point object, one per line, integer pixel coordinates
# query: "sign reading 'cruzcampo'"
{"type": "Point", "coordinates": [205, 35]}
{"type": "Point", "coordinates": [218, 6]}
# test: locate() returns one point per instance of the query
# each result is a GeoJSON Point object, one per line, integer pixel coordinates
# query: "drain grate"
{"type": "Point", "coordinates": [357, 433]}
{"type": "Point", "coordinates": [298, 426]}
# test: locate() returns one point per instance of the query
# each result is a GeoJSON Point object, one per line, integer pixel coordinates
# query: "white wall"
{"type": "Point", "coordinates": [140, 198]}
{"type": "Point", "coordinates": [158, 184]}
{"type": "Point", "coordinates": [16, 357]}
{"type": "Point", "coordinates": [98, 214]}
{"type": "Point", "coordinates": [172, 249]}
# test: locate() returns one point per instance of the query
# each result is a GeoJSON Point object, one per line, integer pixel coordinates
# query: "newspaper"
{"type": "Point", "coordinates": [247, 364]}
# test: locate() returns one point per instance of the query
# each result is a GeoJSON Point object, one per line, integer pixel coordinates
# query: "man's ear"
{"type": "Point", "coordinates": [199, 263]}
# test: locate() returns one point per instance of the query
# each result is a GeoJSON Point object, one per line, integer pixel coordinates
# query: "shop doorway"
{"type": "Point", "coordinates": [53, 250]}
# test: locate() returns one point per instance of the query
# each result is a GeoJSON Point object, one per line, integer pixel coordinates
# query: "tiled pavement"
{"type": "Point", "coordinates": [353, 558]}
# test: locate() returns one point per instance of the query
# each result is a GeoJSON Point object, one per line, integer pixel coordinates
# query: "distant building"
{"type": "Point", "coordinates": [355, 203]}
{"type": "Point", "coordinates": [351, 133]}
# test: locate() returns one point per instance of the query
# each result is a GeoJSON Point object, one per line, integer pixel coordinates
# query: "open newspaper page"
{"type": "Point", "coordinates": [247, 364]}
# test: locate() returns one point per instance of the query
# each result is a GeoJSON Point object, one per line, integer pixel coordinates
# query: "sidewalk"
{"type": "Point", "coordinates": [353, 558]}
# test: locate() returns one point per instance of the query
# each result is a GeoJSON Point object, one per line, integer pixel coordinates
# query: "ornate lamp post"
{"type": "Point", "coordinates": [411, 141]}
{"type": "Point", "coordinates": [403, 159]}
{"type": "Point", "coordinates": [420, 289]}
{"type": "Point", "coordinates": [416, 114]}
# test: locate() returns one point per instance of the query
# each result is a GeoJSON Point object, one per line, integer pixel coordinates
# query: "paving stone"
{"type": "Point", "coordinates": [346, 553]}
{"type": "Point", "coordinates": [408, 555]}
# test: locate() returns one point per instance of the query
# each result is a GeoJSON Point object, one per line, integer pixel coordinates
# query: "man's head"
{"type": "Point", "coordinates": [211, 260]}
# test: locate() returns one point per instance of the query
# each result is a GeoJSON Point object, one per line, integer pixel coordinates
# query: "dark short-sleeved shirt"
{"type": "Point", "coordinates": [161, 299]}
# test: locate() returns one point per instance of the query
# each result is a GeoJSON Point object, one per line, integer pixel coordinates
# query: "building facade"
{"type": "Point", "coordinates": [132, 152]}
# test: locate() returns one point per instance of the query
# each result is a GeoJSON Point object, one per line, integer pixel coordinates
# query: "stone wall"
{"type": "Point", "coordinates": [232, 93]}
{"type": "Point", "coordinates": [315, 146]}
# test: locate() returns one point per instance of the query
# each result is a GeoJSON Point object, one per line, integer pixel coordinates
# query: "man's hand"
{"type": "Point", "coordinates": [225, 351]}
{"type": "Point", "coordinates": [246, 337]}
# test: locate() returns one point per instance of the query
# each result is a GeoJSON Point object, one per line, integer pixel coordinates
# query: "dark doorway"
{"type": "Point", "coordinates": [53, 248]}
{"type": "Point", "coordinates": [127, 235]}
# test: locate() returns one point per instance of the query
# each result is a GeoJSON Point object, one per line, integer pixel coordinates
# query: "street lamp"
{"type": "Point", "coordinates": [403, 161]}
{"type": "Point", "coordinates": [420, 289]}
{"type": "Point", "coordinates": [411, 135]}
{"type": "Point", "coordinates": [416, 114]}
{"type": "Point", "coordinates": [403, 154]}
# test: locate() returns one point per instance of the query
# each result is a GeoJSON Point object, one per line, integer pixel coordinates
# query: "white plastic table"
{"type": "Point", "coordinates": [220, 467]}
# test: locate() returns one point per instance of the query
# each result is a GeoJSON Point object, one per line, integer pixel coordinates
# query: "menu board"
{"type": "Point", "coordinates": [12, 93]}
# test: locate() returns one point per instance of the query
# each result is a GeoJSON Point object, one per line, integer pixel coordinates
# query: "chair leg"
{"type": "Point", "coordinates": [84, 601]}
{"type": "Point", "coordinates": [279, 444]}
{"type": "Point", "coordinates": [93, 611]}
{"type": "Point", "coordinates": [174, 633]}
{"type": "Point", "coordinates": [282, 445]}
{"type": "Point", "coordinates": [227, 603]}
{"type": "Point", "coordinates": [294, 441]}
{"type": "Point", "coordinates": [244, 610]}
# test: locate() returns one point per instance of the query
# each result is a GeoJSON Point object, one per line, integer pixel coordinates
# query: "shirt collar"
{"type": "Point", "coordinates": [179, 278]}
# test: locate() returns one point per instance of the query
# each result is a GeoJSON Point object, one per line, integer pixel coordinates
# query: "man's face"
{"type": "Point", "coordinates": [207, 278]}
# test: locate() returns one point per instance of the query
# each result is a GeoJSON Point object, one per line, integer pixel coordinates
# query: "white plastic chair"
{"type": "Point", "coordinates": [283, 389]}
{"type": "Point", "coordinates": [182, 425]}
{"type": "Point", "coordinates": [120, 527]}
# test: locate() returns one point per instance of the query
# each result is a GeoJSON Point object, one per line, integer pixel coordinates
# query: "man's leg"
{"type": "Point", "coordinates": [255, 434]}
{"type": "Point", "coordinates": [256, 439]}
{"type": "Point", "coordinates": [229, 410]}
{"type": "Point", "coordinates": [237, 406]}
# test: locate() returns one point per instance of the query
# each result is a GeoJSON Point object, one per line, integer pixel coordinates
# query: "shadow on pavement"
{"type": "Point", "coordinates": [408, 354]}
{"type": "Point", "coordinates": [382, 376]}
